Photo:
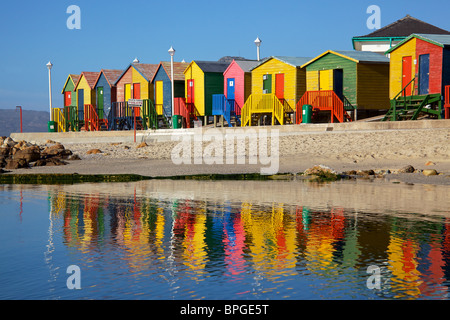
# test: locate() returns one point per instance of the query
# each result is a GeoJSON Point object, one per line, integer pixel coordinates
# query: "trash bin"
{"type": "Point", "coordinates": [176, 121]}
{"type": "Point", "coordinates": [51, 126]}
{"type": "Point", "coordinates": [306, 113]}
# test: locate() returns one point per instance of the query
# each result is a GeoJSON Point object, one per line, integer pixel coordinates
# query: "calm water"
{"type": "Point", "coordinates": [225, 240]}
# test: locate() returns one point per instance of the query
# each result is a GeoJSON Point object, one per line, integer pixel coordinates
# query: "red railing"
{"type": "Point", "coordinates": [447, 102]}
{"type": "Point", "coordinates": [91, 121]}
{"type": "Point", "coordinates": [186, 110]}
{"type": "Point", "coordinates": [326, 100]}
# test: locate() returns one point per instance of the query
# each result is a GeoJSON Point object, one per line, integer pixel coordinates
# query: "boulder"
{"type": "Point", "coordinates": [94, 151]}
{"type": "Point", "coordinates": [406, 169]}
{"type": "Point", "coordinates": [29, 154]}
{"type": "Point", "coordinates": [16, 163]}
{"type": "Point", "coordinates": [141, 145]}
{"type": "Point", "coordinates": [429, 172]}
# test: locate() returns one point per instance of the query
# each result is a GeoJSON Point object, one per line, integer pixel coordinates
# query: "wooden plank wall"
{"type": "Point", "coordinates": [373, 86]}
{"type": "Point", "coordinates": [395, 77]}
{"type": "Point", "coordinates": [194, 72]}
{"type": "Point", "coordinates": [436, 65]}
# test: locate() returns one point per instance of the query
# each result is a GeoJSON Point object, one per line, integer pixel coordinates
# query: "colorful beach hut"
{"type": "Point", "coordinates": [237, 88]}
{"type": "Point", "coordinates": [278, 83]}
{"type": "Point", "coordinates": [162, 83]}
{"type": "Point", "coordinates": [135, 82]}
{"type": "Point", "coordinates": [86, 98]}
{"type": "Point", "coordinates": [419, 72]}
{"type": "Point", "coordinates": [105, 90]}
{"type": "Point", "coordinates": [353, 80]}
{"type": "Point", "coordinates": [203, 79]}
{"type": "Point", "coordinates": [68, 91]}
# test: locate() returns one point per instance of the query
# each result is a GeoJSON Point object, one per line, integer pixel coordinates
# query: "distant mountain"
{"type": "Point", "coordinates": [229, 59]}
{"type": "Point", "coordinates": [32, 121]}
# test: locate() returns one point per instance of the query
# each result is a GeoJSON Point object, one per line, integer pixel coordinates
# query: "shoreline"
{"type": "Point", "coordinates": [342, 151]}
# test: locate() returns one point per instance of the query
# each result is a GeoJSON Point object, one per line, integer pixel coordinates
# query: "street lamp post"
{"type": "Point", "coordinates": [258, 44]}
{"type": "Point", "coordinates": [172, 53]}
{"type": "Point", "coordinates": [49, 66]}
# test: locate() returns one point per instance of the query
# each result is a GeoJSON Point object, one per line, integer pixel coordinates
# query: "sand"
{"type": "Point", "coordinates": [341, 151]}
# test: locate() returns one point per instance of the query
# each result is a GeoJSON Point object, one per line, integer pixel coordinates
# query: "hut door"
{"type": "Point", "coordinates": [267, 83]}
{"type": "Point", "coordinates": [338, 82]}
{"type": "Point", "coordinates": [190, 91]}
{"type": "Point", "coordinates": [406, 75]}
{"type": "Point", "coordinates": [80, 104]}
{"type": "Point", "coordinates": [230, 88]}
{"type": "Point", "coordinates": [279, 86]}
{"type": "Point", "coordinates": [424, 74]}
{"type": "Point", "coordinates": [326, 80]}
{"type": "Point", "coordinates": [67, 98]}
{"type": "Point", "coordinates": [100, 102]}
{"type": "Point", "coordinates": [127, 91]}
{"type": "Point", "coordinates": [159, 99]}
{"type": "Point", "coordinates": [136, 90]}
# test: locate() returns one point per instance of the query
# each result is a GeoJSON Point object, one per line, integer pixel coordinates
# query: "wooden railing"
{"type": "Point", "coordinates": [186, 110]}
{"type": "Point", "coordinates": [91, 121]}
{"type": "Point", "coordinates": [262, 103]}
{"type": "Point", "coordinates": [58, 117]}
{"type": "Point", "coordinates": [325, 100]}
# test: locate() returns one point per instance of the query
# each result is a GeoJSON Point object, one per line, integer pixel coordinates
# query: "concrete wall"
{"type": "Point", "coordinates": [168, 134]}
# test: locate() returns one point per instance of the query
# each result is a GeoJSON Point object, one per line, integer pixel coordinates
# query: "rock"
{"type": "Point", "coordinates": [429, 172]}
{"type": "Point", "coordinates": [74, 157]}
{"type": "Point", "coordinates": [16, 164]}
{"type": "Point", "coordinates": [53, 150]}
{"type": "Point", "coordinates": [29, 154]}
{"type": "Point", "coordinates": [319, 169]}
{"type": "Point", "coordinates": [430, 163]}
{"type": "Point", "coordinates": [142, 145]}
{"type": "Point", "coordinates": [406, 169]}
{"type": "Point", "coordinates": [5, 151]}
{"type": "Point", "coordinates": [366, 172]}
{"type": "Point", "coordinates": [55, 162]}
{"type": "Point", "coordinates": [94, 151]}
{"type": "Point", "coordinates": [9, 142]}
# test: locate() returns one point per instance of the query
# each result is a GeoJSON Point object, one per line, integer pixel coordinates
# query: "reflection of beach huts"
{"type": "Point", "coordinates": [203, 79]}
{"type": "Point", "coordinates": [85, 96]}
{"type": "Point", "coordinates": [419, 72]}
{"type": "Point", "coordinates": [237, 88]}
{"type": "Point", "coordinates": [277, 84]}
{"type": "Point", "coordinates": [163, 86]}
{"type": "Point", "coordinates": [341, 81]}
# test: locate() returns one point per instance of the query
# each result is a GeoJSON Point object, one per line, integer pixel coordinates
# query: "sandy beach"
{"type": "Point", "coordinates": [378, 150]}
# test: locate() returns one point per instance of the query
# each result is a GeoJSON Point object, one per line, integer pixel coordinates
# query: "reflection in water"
{"type": "Point", "coordinates": [276, 243]}
{"type": "Point", "coordinates": [222, 240]}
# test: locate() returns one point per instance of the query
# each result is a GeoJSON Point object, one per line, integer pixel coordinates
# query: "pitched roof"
{"type": "Point", "coordinates": [111, 76]}
{"type": "Point", "coordinates": [146, 70]}
{"type": "Point", "coordinates": [293, 61]}
{"type": "Point", "coordinates": [74, 78]}
{"type": "Point", "coordinates": [247, 65]}
{"type": "Point", "coordinates": [178, 69]}
{"type": "Point", "coordinates": [405, 27]}
{"type": "Point", "coordinates": [356, 56]}
{"type": "Point", "coordinates": [437, 39]}
{"type": "Point", "coordinates": [91, 78]}
{"type": "Point", "coordinates": [212, 66]}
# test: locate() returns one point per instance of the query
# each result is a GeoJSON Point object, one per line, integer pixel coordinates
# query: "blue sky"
{"type": "Point", "coordinates": [113, 33]}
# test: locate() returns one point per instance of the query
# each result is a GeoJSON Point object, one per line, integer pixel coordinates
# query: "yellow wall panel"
{"type": "Point", "coordinates": [195, 73]}
{"type": "Point", "coordinates": [312, 80]}
{"type": "Point", "coordinates": [138, 78]}
{"type": "Point", "coordinates": [89, 94]}
{"type": "Point", "coordinates": [395, 81]}
{"type": "Point", "coordinates": [274, 66]}
{"type": "Point", "coordinates": [373, 86]}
